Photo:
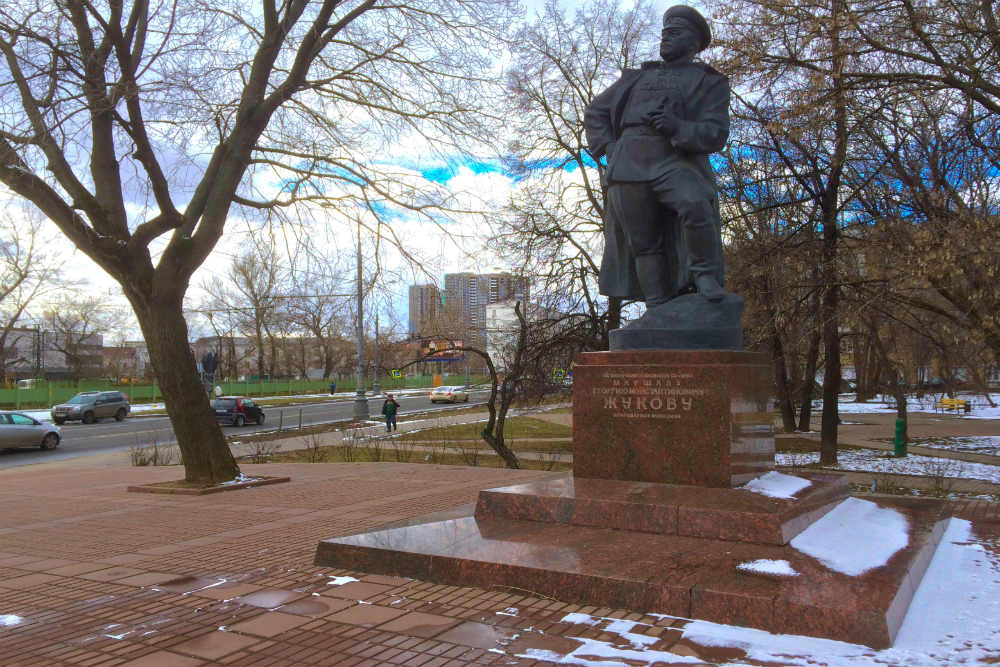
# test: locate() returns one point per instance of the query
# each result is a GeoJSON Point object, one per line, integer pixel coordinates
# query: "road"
{"type": "Point", "coordinates": [137, 431]}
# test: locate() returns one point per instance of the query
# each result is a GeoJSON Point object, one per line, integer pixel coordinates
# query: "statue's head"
{"type": "Point", "coordinates": [685, 33]}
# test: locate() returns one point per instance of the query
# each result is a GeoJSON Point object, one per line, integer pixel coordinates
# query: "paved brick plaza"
{"type": "Point", "coordinates": [93, 575]}
{"type": "Point", "coordinates": [99, 576]}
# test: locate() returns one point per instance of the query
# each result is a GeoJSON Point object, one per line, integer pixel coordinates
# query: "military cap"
{"type": "Point", "coordinates": [694, 18]}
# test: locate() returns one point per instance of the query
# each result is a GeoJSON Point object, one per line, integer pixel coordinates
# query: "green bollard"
{"type": "Point", "coordinates": [899, 442]}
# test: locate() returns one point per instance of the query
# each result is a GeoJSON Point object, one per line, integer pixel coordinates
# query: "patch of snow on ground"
{"type": "Point", "coordinates": [777, 485]}
{"type": "Point", "coordinates": [8, 620]}
{"type": "Point", "coordinates": [632, 650]}
{"type": "Point", "coordinates": [877, 460]}
{"type": "Point", "coordinates": [854, 537]}
{"type": "Point", "coordinates": [980, 407]}
{"type": "Point", "coordinates": [577, 618]}
{"type": "Point", "coordinates": [340, 581]}
{"type": "Point", "coordinates": [241, 479]}
{"type": "Point", "coordinates": [624, 629]}
{"type": "Point", "coordinates": [595, 653]}
{"type": "Point", "coordinates": [781, 568]}
{"type": "Point", "coordinates": [952, 619]}
{"type": "Point", "coordinates": [979, 444]}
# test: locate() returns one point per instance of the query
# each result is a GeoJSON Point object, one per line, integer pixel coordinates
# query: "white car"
{"type": "Point", "coordinates": [449, 395]}
{"type": "Point", "coordinates": [20, 430]}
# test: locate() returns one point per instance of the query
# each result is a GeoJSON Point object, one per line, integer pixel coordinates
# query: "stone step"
{"type": "Point", "coordinates": [671, 509]}
{"type": "Point", "coordinates": [678, 575]}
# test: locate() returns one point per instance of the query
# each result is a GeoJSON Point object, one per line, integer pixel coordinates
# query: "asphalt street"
{"type": "Point", "coordinates": [138, 431]}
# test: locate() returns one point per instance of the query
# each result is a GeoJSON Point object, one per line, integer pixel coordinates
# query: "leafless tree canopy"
{"type": "Point", "coordinates": [135, 128]}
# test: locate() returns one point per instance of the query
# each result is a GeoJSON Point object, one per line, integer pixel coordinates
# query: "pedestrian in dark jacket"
{"type": "Point", "coordinates": [389, 408]}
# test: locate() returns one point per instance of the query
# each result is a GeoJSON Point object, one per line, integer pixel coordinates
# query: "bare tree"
{"type": "Point", "coordinates": [186, 108]}
{"type": "Point", "coordinates": [555, 223]}
{"type": "Point", "coordinates": [28, 271]}
{"type": "Point", "coordinates": [78, 325]}
{"type": "Point", "coordinates": [791, 58]}
{"type": "Point", "coordinates": [249, 292]}
{"type": "Point", "coordinates": [318, 306]}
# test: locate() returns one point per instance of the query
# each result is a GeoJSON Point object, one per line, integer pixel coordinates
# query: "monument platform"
{"type": "Point", "coordinates": [674, 508]}
{"type": "Point", "coordinates": [669, 509]}
{"type": "Point", "coordinates": [683, 576]}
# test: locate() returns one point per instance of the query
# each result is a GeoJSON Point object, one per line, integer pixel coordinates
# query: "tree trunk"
{"type": "Point", "coordinates": [831, 367]}
{"type": "Point", "coordinates": [781, 382]}
{"type": "Point", "coordinates": [808, 382]}
{"type": "Point", "coordinates": [614, 313]}
{"type": "Point", "coordinates": [204, 451]}
{"type": "Point", "coordinates": [495, 438]}
{"type": "Point", "coordinates": [830, 209]}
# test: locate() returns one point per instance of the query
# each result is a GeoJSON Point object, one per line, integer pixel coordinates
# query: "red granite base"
{"type": "Point", "coordinates": [693, 511]}
{"type": "Point", "coordinates": [677, 575]}
{"type": "Point", "coordinates": [696, 417]}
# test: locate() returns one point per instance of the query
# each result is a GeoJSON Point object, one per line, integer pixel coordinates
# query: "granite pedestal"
{"type": "Point", "coordinates": [657, 516]}
{"type": "Point", "coordinates": [696, 417]}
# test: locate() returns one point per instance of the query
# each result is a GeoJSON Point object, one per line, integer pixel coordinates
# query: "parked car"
{"type": "Point", "coordinates": [445, 394]}
{"type": "Point", "coordinates": [90, 406]}
{"type": "Point", "coordinates": [237, 410]}
{"type": "Point", "coordinates": [19, 430]}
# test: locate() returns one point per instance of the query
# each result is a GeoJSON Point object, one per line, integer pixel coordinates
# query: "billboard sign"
{"type": "Point", "coordinates": [429, 349]}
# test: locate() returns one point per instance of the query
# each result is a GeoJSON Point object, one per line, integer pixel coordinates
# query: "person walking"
{"type": "Point", "coordinates": [389, 408]}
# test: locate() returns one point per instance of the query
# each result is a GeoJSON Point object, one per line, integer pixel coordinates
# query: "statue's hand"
{"type": "Point", "coordinates": [664, 121]}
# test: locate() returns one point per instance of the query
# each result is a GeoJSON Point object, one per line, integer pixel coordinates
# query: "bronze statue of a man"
{"type": "Point", "coordinates": [657, 125]}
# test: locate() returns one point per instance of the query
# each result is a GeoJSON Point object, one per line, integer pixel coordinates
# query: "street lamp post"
{"type": "Point", "coordinates": [376, 387]}
{"type": "Point", "coordinates": [360, 401]}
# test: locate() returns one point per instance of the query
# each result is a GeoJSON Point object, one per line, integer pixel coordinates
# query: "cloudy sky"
{"type": "Point", "coordinates": [455, 246]}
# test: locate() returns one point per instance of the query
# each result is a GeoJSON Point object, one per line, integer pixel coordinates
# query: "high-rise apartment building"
{"type": "Point", "coordinates": [425, 306]}
{"type": "Point", "coordinates": [468, 294]}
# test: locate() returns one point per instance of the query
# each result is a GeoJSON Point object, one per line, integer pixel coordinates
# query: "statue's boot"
{"type": "Point", "coordinates": [700, 237]}
{"type": "Point", "coordinates": [655, 279]}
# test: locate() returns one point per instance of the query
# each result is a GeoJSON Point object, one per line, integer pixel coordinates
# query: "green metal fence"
{"type": "Point", "coordinates": [48, 393]}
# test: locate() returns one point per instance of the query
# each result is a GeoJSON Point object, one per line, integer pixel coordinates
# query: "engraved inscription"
{"type": "Point", "coordinates": [638, 395]}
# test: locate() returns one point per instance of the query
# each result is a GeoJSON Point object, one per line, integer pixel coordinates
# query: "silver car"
{"type": "Point", "coordinates": [445, 394]}
{"type": "Point", "coordinates": [20, 430]}
{"type": "Point", "coordinates": [90, 406]}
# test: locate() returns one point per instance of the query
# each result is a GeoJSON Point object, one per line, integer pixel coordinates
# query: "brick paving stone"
{"type": "Point", "coordinates": [47, 564]}
{"type": "Point", "coordinates": [14, 560]}
{"type": "Point", "coordinates": [164, 659]}
{"type": "Point", "coordinates": [269, 598]}
{"type": "Point", "coordinates": [27, 581]}
{"type": "Point", "coordinates": [357, 590]}
{"type": "Point", "coordinates": [270, 624]}
{"type": "Point", "coordinates": [146, 579]}
{"type": "Point", "coordinates": [419, 624]}
{"type": "Point", "coordinates": [214, 645]}
{"type": "Point", "coordinates": [366, 615]}
{"type": "Point", "coordinates": [111, 573]}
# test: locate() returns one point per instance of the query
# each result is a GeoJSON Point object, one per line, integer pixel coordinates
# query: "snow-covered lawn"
{"type": "Point", "coordinates": [877, 460]}
{"type": "Point", "coordinates": [980, 409]}
{"type": "Point", "coordinates": [977, 444]}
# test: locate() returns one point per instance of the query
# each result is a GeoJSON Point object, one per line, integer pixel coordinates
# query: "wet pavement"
{"type": "Point", "coordinates": [93, 575]}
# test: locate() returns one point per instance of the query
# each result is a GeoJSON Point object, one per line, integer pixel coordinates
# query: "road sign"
{"type": "Point", "coordinates": [396, 373]}
{"type": "Point", "coordinates": [558, 373]}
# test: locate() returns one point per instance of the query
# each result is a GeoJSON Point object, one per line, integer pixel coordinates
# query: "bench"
{"type": "Point", "coordinates": [952, 405]}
